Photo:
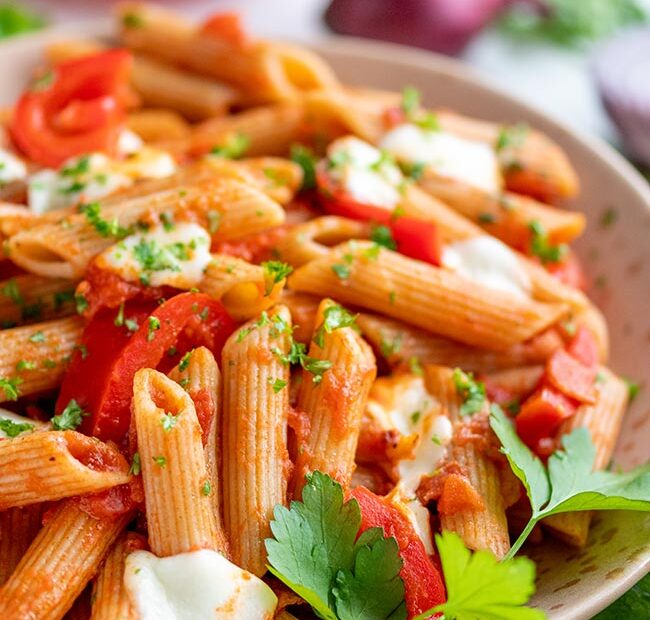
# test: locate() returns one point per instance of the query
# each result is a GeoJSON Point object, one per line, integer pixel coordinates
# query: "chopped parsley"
{"type": "Point", "coordinates": [214, 221]}
{"type": "Point", "coordinates": [25, 365]}
{"type": "Point", "coordinates": [11, 290]}
{"type": "Point", "coordinates": [13, 429]}
{"type": "Point", "coordinates": [185, 361]}
{"type": "Point", "coordinates": [81, 303]}
{"type": "Point", "coordinates": [119, 319]}
{"type": "Point", "coordinates": [206, 488]}
{"type": "Point", "coordinates": [390, 347]}
{"type": "Point", "coordinates": [541, 247]}
{"type": "Point", "coordinates": [414, 170]}
{"type": "Point", "coordinates": [135, 468]}
{"type": "Point", "coordinates": [153, 324]}
{"type": "Point", "coordinates": [633, 388]}
{"type": "Point", "coordinates": [412, 108]}
{"type": "Point", "coordinates": [132, 20]}
{"type": "Point", "coordinates": [334, 317]}
{"type": "Point", "coordinates": [608, 217]}
{"type": "Point", "coordinates": [486, 218]}
{"type": "Point", "coordinates": [38, 336]}
{"type": "Point", "coordinates": [104, 228]}
{"type": "Point", "coordinates": [382, 236]}
{"type": "Point", "coordinates": [233, 148]}
{"type": "Point", "coordinates": [511, 136]}
{"type": "Point", "coordinates": [10, 387]}
{"type": "Point", "coordinates": [415, 367]}
{"type": "Point", "coordinates": [168, 421]}
{"type": "Point", "coordinates": [341, 271]}
{"type": "Point", "coordinates": [274, 271]}
{"type": "Point", "coordinates": [161, 461]}
{"type": "Point", "coordinates": [277, 384]}
{"type": "Point", "coordinates": [472, 392]}
{"type": "Point", "coordinates": [63, 297]}
{"type": "Point", "coordinates": [306, 159]}
{"type": "Point", "coordinates": [70, 418]}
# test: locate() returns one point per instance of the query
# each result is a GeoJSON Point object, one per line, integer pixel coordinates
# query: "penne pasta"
{"type": "Point", "coordinates": [66, 553]}
{"type": "Point", "coordinates": [57, 250]}
{"type": "Point", "coordinates": [29, 298]}
{"type": "Point", "coordinates": [152, 125]}
{"type": "Point", "coordinates": [334, 405]}
{"type": "Point", "coordinates": [244, 289]}
{"type": "Point", "coordinates": [519, 382]}
{"type": "Point", "coordinates": [36, 356]}
{"type": "Point", "coordinates": [402, 288]}
{"type": "Point", "coordinates": [256, 408]}
{"type": "Point", "coordinates": [399, 342]}
{"type": "Point", "coordinates": [109, 597]}
{"type": "Point", "coordinates": [201, 379]}
{"type": "Point", "coordinates": [303, 308]}
{"type": "Point", "coordinates": [18, 528]}
{"type": "Point", "coordinates": [603, 420]}
{"type": "Point", "coordinates": [174, 472]}
{"type": "Point", "coordinates": [53, 465]}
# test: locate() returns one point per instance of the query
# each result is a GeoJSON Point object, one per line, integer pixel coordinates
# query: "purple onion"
{"type": "Point", "coordinates": [622, 70]}
{"type": "Point", "coordinates": [439, 25]}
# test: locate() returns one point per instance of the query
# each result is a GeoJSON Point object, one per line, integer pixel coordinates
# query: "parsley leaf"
{"type": "Point", "coordinates": [479, 586]}
{"type": "Point", "coordinates": [541, 247]}
{"type": "Point", "coordinates": [472, 392]}
{"type": "Point", "coordinates": [104, 228]}
{"type": "Point", "coordinates": [70, 418]}
{"type": "Point", "coordinates": [234, 147]}
{"type": "Point", "coordinates": [306, 159]}
{"type": "Point", "coordinates": [334, 317]}
{"type": "Point", "coordinates": [274, 271]}
{"type": "Point", "coordinates": [10, 387]}
{"type": "Point", "coordinates": [15, 19]}
{"type": "Point", "coordinates": [383, 236]}
{"type": "Point", "coordinates": [342, 271]}
{"type": "Point", "coordinates": [511, 136]}
{"type": "Point", "coordinates": [315, 552]}
{"type": "Point", "coordinates": [569, 483]}
{"type": "Point", "coordinates": [13, 429]}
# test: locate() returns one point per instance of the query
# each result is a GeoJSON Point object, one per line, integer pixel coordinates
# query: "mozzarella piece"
{"type": "Point", "coordinates": [469, 161]}
{"type": "Point", "coordinates": [487, 261]}
{"type": "Point", "coordinates": [12, 168]}
{"type": "Point", "coordinates": [414, 413]}
{"type": "Point", "coordinates": [181, 256]}
{"type": "Point", "coordinates": [148, 163]}
{"type": "Point", "coordinates": [416, 513]}
{"type": "Point", "coordinates": [129, 142]}
{"type": "Point", "coordinates": [199, 585]}
{"type": "Point", "coordinates": [364, 174]}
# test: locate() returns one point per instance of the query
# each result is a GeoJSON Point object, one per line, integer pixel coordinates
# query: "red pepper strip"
{"type": "Point", "coordinates": [418, 239]}
{"type": "Point", "coordinates": [584, 347]}
{"type": "Point", "coordinates": [423, 582]}
{"type": "Point", "coordinates": [226, 26]}
{"type": "Point", "coordinates": [82, 109]}
{"type": "Point", "coordinates": [571, 377]}
{"type": "Point", "coordinates": [541, 415]}
{"type": "Point", "coordinates": [105, 388]}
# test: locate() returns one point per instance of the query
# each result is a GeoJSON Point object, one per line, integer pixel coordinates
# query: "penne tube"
{"type": "Point", "coordinates": [334, 405]}
{"type": "Point", "coordinates": [109, 597]}
{"type": "Point", "coordinates": [153, 125]}
{"type": "Point", "coordinates": [35, 356]}
{"type": "Point", "coordinates": [265, 71]}
{"type": "Point", "coordinates": [278, 178]}
{"type": "Point", "coordinates": [533, 165]}
{"type": "Point", "coordinates": [592, 318]}
{"type": "Point", "coordinates": [48, 466]}
{"type": "Point", "coordinates": [507, 216]}
{"type": "Point", "coordinates": [65, 249]}
{"type": "Point", "coordinates": [29, 298]}
{"type": "Point", "coordinates": [65, 555]}
{"type": "Point", "coordinates": [18, 528]}
{"type": "Point", "coordinates": [399, 342]}
{"type": "Point", "coordinates": [159, 84]}
{"type": "Point", "coordinates": [14, 218]}
{"type": "Point", "coordinates": [268, 130]}
{"type": "Point", "coordinates": [244, 289]}
{"type": "Point", "coordinates": [428, 297]}
{"type": "Point", "coordinates": [314, 238]}
{"type": "Point", "coordinates": [483, 527]}
{"type": "Point", "coordinates": [603, 419]}
{"type": "Point", "coordinates": [254, 433]}
{"type": "Point", "coordinates": [201, 379]}
{"type": "Point", "coordinates": [303, 308]}
{"type": "Point", "coordinates": [176, 482]}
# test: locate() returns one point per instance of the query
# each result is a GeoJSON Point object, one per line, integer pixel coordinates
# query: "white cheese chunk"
{"type": "Point", "coordinates": [487, 261]}
{"type": "Point", "coordinates": [12, 168]}
{"type": "Point", "coordinates": [129, 142]}
{"type": "Point", "coordinates": [199, 585]}
{"type": "Point", "coordinates": [469, 161]}
{"type": "Point", "coordinates": [176, 257]}
{"type": "Point", "coordinates": [416, 513]}
{"type": "Point", "coordinates": [364, 173]}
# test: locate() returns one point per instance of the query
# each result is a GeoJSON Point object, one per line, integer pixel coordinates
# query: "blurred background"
{"type": "Point", "coordinates": [585, 62]}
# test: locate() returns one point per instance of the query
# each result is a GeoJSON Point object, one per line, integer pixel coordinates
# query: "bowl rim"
{"type": "Point", "coordinates": [454, 68]}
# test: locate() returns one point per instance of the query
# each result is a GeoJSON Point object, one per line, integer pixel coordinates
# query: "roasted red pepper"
{"type": "Point", "coordinates": [423, 582]}
{"type": "Point", "coordinates": [225, 26]}
{"type": "Point", "coordinates": [77, 108]}
{"type": "Point", "coordinates": [100, 377]}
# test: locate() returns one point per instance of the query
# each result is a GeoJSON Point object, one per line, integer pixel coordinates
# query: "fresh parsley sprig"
{"type": "Point", "coordinates": [334, 317]}
{"type": "Point", "coordinates": [479, 586]}
{"type": "Point", "coordinates": [315, 552]}
{"type": "Point", "coordinates": [70, 418]}
{"type": "Point", "coordinates": [471, 391]}
{"type": "Point", "coordinates": [569, 483]}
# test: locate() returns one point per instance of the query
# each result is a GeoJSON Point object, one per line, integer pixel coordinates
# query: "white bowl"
{"type": "Point", "coordinates": [572, 585]}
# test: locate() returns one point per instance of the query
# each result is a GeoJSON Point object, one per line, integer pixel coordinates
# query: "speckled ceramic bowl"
{"type": "Point", "coordinates": [573, 585]}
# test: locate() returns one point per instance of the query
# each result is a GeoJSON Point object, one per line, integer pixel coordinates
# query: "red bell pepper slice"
{"type": "Point", "coordinates": [571, 377]}
{"type": "Point", "coordinates": [226, 26]}
{"type": "Point", "coordinates": [584, 347]}
{"type": "Point", "coordinates": [418, 239]}
{"type": "Point", "coordinates": [82, 109]}
{"type": "Point", "coordinates": [541, 415]}
{"type": "Point", "coordinates": [102, 381]}
{"type": "Point", "coordinates": [423, 583]}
